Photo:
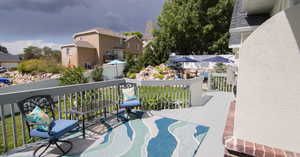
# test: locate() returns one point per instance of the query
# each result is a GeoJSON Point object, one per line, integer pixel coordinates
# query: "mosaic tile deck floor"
{"type": "Point", "coordinates": [148, 137]}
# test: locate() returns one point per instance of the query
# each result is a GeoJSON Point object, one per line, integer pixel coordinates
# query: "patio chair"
{"type": "Point", "coordinates": [129, 98]}
{"type": "Point", "coordinates": [38, 108]}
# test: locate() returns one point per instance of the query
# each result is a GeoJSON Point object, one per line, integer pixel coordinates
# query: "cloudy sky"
{"type": "Point", "coordinates": [53, 22]}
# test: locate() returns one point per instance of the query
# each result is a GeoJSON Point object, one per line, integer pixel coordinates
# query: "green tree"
{"type": "Point", "coordinates": [48, 52]}
{"type": "Point", "coordinates": [73, 76]}
{"type": "Point", "coordinates": [193, 26]}
{"type": "Point", "coordinates": [32, 52]}
{"type": "Point", "coordinates": [138, 34]}
{"type": "Point", "coordinates": [97, 74]}
{"type": "Point", "coordinates": [132, 65]}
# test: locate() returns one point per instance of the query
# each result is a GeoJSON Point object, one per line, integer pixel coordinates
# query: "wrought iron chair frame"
{"type": "Point", "coordinates": [27, 105]}
{"type": "Point", "coordinates": [121, 98]}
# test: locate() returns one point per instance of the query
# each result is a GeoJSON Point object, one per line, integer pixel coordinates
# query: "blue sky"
{"type": "Point", "coordinates": [53, 22]}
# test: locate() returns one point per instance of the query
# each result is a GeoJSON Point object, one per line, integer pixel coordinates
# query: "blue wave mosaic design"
{"type": "Point", "coordinates": [201, 130]}
{"type": "Point", "coordinates": [164, 143]}
{"type": "Point", "coordinates": [107, 135]}
{"type": "Point", "coordinates": [129, 130]}
{"type": "Point", "coordinates": [132, 139]}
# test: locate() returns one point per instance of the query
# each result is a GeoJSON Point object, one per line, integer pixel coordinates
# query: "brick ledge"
{"type": "Point", "coordinates": [239, 147]}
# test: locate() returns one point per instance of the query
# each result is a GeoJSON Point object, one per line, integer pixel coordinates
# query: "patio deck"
{"type": "Point", "coordinates": [212, 114]}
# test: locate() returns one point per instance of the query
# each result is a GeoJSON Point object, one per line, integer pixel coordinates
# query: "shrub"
{"type": "Point", "coordinates": [131, 75]}
{"type": "Point", "coordinates": [72, 76]}
{"type": "Point", "coordinates": [159, 76]}
{"type": "Point", "coordinates": [40, 65]}
{"type": "Point", "coordinates": [97, 74]}
{"type": "Point", "coordinates": [12, 68]}
{"type": "Point", "coordinates": [29, 66]}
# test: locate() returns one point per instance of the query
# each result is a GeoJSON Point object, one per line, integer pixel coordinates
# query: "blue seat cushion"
{"type": "Point", "coordinates": [60, 127]}
{"type": "Point", "coordinates": [130, 103]}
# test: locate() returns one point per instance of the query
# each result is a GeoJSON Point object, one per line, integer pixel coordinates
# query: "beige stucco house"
{"type": "Point", "coordinates": [98, 45]}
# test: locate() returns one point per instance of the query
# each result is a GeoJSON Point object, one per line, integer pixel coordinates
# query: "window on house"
{"type": "Point", "coordinates": [137, 47]}
{"type": "Point", "coordinates": [128, 45]}
{"type": "Point", "coordinates": [121, 41]}
{"type": "Point", "coordinates": [68, 52]}
{"type": "Point", "coordinates": [79, 38]}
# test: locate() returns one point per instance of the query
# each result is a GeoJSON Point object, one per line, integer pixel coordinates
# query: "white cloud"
{"type": "Point", "coordinates": [16, 47]}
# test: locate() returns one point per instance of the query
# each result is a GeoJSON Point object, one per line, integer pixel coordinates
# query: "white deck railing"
{"type": "Point", "coordinates": [218, 81]}
{"type": "Point", "coordinates": [155, 95]}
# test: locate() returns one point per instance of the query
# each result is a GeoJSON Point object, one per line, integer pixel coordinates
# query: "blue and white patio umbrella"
{"type": "Point", "coordinates": [116, 63]}
{"type": "Point", "coordinates": [185, 59]}
{"type": "Point", "coordinates": [218, 59]}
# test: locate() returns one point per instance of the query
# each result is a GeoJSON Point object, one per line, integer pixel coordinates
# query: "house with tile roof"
{"type": "Point", "coordinates": [97, 46]}
{"type": "Point", "coordinates": [8, 60]}
{"type": "Point", "coordinates": [262, 122]}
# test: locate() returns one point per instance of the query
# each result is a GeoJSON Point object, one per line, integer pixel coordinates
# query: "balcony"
{"type": "Point", "coordinates": [180, 100]}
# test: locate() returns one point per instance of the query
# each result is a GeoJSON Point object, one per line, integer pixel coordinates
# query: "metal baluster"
{"type": "Point", "coordinates": [222, 83]}
{"type": "Point", "coordinates": [70, 105]}
{"type": "Point", "coordinates": [85, 102]}
{"type": "Point", "coordinates": [117, 97]}
{"type": "Point", "coordinates": [65, 107]}
{"type": "Point", "coordinates": [12, 111]}
{"type": "Point", "coordinates": [157, 96]}
{"type": "Point", "coordinates": [162, 106]}
{"type": "Point", "coordinates": [190, 96]}
{"type": "Point", "coordinates": [168, 95]}
{"type": "Point", "coordinates": [4, 135]}
{"type": "Point", "coordinates": [219, 83]}
{"type": "Point", "coordinates": [175, 106]}
{"type": "Point", "coordinates": [76, 105]}
{"type": "Point", "coordinates": [187, 90]}
{"type": "Point", "coordinates": [103, 102]}
{"type": "Point", "coordinates": [23, 130]}
{"type": "Point", "coordinates": [165, 88]}
{"type": "Point", "coordinates": [112, 97]}
{"type": "Point", "coordinates": [59, 108]}
{"type": "Point", "coordinates": [81, 101]}
{"type": "Point", "coordinates": [177, 93]}
{"type": "Point", "coordinates": [105, 98]}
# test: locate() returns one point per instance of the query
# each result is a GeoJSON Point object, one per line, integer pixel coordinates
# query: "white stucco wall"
{"type": "Point", "coordinates": [268, 100]}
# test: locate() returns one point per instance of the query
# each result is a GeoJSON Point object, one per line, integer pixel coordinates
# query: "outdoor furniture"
{"type": "Point", "coordinates": [91, 108]}
{"type": "Point", "coordinates": [126, 103]}
{"type": "Point", "coordinates": [56, 128]}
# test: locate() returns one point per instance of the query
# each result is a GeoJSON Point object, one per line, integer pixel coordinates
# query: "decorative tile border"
{"type": "Point", "coordinates": [243, 148]}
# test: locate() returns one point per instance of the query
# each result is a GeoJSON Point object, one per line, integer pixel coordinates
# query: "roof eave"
{"type": "Point", "coordinates": [86, 32]}
{"type": "Point", "coordinates": [234, 46]}
{"type": "Point", "coordinates": [68, 45]}
{"type": "Point", "coordinates": [243, 29]}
